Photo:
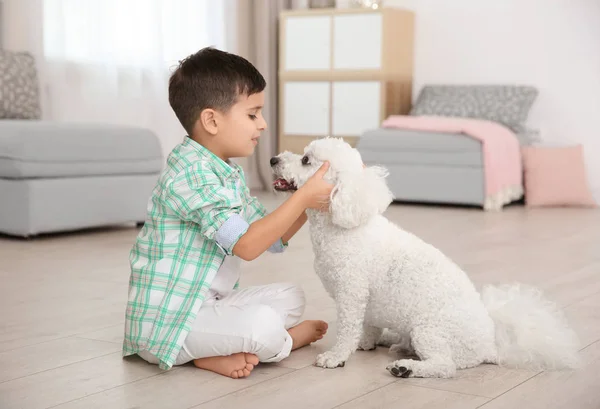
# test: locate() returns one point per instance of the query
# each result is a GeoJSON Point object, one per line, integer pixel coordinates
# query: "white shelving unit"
{"type": "Point", "coordinates": [342, 71]}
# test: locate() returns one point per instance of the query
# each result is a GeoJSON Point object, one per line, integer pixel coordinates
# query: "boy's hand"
{"type": "Point", "coordinates": [287, 218]}
{"type": "Point", "coordinates": [317, 191]}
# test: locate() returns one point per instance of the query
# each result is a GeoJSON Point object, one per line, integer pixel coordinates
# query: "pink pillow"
{"type": "Point", "coordinates": [555, 176]}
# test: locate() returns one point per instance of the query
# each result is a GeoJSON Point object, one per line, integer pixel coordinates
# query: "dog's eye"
{"type": "Point", "coordinates": [305, 160]}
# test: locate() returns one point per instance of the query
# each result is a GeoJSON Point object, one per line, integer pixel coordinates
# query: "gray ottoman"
{"type": "Point", "coordinates": [58, 177]}
{"type": "Point", "coordinates": [427, 166]}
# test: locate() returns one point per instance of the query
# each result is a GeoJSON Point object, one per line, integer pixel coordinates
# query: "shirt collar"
{"type": "Point", "coordinates": [227, 169]}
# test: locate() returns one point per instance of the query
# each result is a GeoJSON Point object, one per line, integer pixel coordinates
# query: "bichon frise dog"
{"type": "Point", "coordinates": [382, 277]}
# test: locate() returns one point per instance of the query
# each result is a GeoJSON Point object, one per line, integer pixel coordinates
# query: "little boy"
{"type": "Point", "coordinates": [184, 303]}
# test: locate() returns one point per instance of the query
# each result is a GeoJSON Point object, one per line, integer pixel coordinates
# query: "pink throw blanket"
{"type": "Point", "coordinates": [501, 152]}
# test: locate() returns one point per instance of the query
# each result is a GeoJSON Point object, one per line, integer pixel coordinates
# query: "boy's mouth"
{"type": "Point", "coordinates": [282, 185]}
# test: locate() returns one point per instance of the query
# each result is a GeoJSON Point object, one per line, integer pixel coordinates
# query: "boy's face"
{"type": "Point", "coordinates": [240, 127]}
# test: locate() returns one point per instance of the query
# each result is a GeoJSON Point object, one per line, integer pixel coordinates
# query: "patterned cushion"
{"type": "Point", "coordinates": [19, 92]}
{"type": "Point", "coordinates": [506, 104]}
{"type": "Point", "coordinates": [526, 136]}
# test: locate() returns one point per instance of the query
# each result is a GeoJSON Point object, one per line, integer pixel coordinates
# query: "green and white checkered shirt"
{"type": "Point", "coordinates": [198, 210]}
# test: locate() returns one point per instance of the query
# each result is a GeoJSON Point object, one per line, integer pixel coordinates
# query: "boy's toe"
{"type": "Point", "coordinates": [249, 367]}
{"type": "Point", "coordinates": [234, 374]}
{"type": "Point", "coordinates": [246, 372]}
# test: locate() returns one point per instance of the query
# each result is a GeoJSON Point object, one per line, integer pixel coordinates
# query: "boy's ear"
{"type": "Point", "coordinates": [208, 121]}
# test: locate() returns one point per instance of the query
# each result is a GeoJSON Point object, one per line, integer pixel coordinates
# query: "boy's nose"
{"type": "Point", "coordinates": [263, 124]}
{"type": "Point", "coordinates": [274, 161]}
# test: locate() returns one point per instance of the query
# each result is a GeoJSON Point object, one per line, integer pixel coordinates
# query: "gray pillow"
{"type": "Point", "coordinates": [19, 89]}
{"type": "Point", "coordinates": [508, 105]}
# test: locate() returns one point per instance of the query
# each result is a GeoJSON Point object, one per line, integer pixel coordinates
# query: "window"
{"type": "Point", "coordinates": [130, 33]}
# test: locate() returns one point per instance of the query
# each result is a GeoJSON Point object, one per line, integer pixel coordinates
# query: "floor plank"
{"type": "Point", "coordinates": [487, 381]}
{"type": "Point", "coordinates": [320, 388]}
{"type": "Point", "coordinates": [577, 389]}
{"type": "Point", "coordinates": [584, 317]}
{"type": "Point", "coordinates": [66, 383]}
{"type": "Point", "coordinates": [53, 354]}
{"type": "Point", "coordinates": [181, 388]}
{"type": "Point", "coordinates": [399, 395]}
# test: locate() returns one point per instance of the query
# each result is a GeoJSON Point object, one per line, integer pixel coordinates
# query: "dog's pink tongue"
{"type": "Point", "coordinates": [280, 184]}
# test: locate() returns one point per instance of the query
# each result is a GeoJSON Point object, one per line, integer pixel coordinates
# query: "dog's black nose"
{"type": "Point", "coordinates": [274, 161]}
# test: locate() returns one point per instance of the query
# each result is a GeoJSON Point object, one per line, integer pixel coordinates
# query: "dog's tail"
{"type": "Point", "coordinates": [531, 331]}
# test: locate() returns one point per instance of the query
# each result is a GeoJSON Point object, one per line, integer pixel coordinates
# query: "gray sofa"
{"type": "Point", "coordinates": [427, 167]}
{"type": "Point", "coordinates": [66, 176]}
{"type": "Point", "coordinates": [447, 168]}
{"type": "Point", "coordinates": [58, 177]}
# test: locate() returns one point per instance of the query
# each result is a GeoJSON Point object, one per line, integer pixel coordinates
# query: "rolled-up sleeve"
{"type": "Point", "coordinates": [199, 197]}
{"type": "Point", "coordinates": [230, 232]}
{"type": "Point", "coordinates": [278, 247]}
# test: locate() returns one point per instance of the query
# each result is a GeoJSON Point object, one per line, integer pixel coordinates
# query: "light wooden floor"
{"type": "Point", "coordinates": [62, 301]}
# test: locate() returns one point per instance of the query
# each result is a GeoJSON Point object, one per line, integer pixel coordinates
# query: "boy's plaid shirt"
{"type": "Point", "coordinates": [198, 210]}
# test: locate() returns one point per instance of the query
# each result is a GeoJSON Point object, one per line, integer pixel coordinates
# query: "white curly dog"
{"type": "Point", "coordinates": [382, 277]}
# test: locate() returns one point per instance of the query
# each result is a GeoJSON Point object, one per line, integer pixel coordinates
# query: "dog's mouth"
{"type": "Point", "coordinates": [282, 185]}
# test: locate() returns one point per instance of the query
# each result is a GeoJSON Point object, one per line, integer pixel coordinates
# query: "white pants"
{"type": "Point", "coordinates": [253, 320]}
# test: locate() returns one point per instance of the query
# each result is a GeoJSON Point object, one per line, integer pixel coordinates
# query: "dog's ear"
{"type": "Point", "coordinates": [358, 196]}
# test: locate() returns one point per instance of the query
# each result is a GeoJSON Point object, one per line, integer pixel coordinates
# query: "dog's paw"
{"type": "Point", "coordinates": [410, 368]}
{"type": "Point", "coordinates": [399, 370]}
{"type": "Point", "coordinates": [330, 360]}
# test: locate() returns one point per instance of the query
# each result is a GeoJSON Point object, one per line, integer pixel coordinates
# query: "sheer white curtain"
{"type": "Point", "coordinates": [109, 61]}
{"type": "Point", "coordinates": [254, 35]}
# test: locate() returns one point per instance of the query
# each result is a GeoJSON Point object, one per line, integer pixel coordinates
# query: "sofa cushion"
{"type": "Point", "coordinates": [508, 105]}
{"type": "Point", "coordinates": [40, 149]}
{"type": "Point", "coordinates": [19, 90]}
{"type": "Point", "coordinates": [409, 147]}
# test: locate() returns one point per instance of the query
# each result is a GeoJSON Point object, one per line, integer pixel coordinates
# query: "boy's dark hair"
{"type": "Point", "coordinates": [210, 78]}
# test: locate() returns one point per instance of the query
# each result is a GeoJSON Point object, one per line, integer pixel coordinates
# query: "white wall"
{"type": "Point", "coordinates": [552, 44]}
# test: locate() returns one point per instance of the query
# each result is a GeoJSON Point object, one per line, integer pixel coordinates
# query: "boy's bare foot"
{"type": "Point", "coordinates": [307, 332]}
{"type": "Point", "coordinates": [235, 366]}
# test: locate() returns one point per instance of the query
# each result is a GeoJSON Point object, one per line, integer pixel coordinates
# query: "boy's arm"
{"type": "Point", "coordinates": [295, 228]}
{"type": "Point", "coordinates": [264, 232]}
{"type": "Point", "coordinates": [257, 211]}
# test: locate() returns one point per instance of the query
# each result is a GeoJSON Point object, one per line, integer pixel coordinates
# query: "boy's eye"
{"type": "Point", "coordinates": [252, 116]}
{"type": "Point", "coordinates": [305, 160]}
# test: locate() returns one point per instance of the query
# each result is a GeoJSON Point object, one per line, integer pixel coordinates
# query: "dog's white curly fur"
{"type": "Point", "coordinates": [383, 277]}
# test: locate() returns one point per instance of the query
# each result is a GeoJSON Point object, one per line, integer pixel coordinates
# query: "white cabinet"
{"type": "Point", "coordinates": [306, 108]}
{"type": "Point", "coordinates": [342, 72]}
{"type": "Point", "coordinates": [339, 108]}
{"type": "Point", "coordinates": [357, 41]}
{"type": "Point", "coordinates": [308, 43]}
{"type": "Point", "coordinates": [356, 107]}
